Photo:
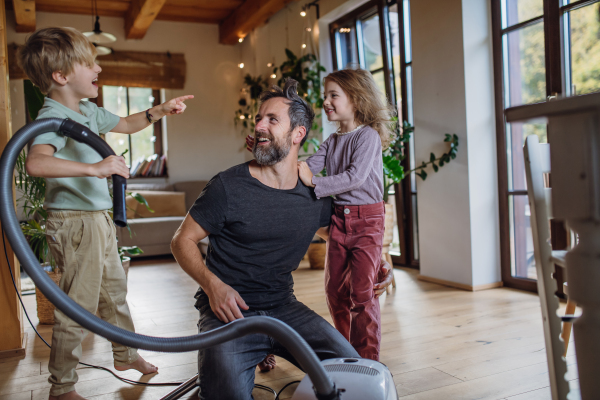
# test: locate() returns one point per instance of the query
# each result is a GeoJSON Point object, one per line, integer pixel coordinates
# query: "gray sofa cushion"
{"type": "Point", "coordinates": [149, 231]}
{"type": "Point", "coordinates": [163, 187]}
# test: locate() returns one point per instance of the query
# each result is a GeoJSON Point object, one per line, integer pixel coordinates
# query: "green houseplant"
{"type": "Point", "coordinates": [393, 171]}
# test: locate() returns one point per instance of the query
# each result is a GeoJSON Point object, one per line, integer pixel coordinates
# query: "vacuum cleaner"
{"type": "Point", "coordinates": [344, 378]}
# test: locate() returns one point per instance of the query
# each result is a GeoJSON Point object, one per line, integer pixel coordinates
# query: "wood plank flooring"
{"type": "Point", "coordinates": [439, 342]}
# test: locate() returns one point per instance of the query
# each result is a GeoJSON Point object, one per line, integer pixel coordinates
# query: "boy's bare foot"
{"type": "Point", "coordinates": [140, 365]}
{"type": "Point", "coordinates": [267, 364]}
{"type": "Point", "coordinates": [72, 395]}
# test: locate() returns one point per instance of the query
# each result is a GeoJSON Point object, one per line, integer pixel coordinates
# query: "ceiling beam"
{"type": "Point", "coordinates": [140, 16]}
{"type": "Point", "coordinates": [246, 17]}
{"type": "Point", "coordinates": [24, 15]}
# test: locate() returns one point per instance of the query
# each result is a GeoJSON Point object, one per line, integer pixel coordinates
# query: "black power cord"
{"type": "Point", "coordinates": [283, 388]}
{"type": "Point", "coordinates": [125, 380]}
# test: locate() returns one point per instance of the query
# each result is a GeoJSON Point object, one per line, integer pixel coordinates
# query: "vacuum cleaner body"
{"type": "Point", "coordinates": [355, 379]}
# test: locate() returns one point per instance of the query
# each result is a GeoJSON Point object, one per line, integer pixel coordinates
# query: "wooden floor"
{"type": "Point", "coordinates": [439, 342]}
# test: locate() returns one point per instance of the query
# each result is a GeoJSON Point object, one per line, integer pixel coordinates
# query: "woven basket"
{"type": "Point", "coordinates": [45, 309]}
{"type": "Point", "coordinates": [316, 255]}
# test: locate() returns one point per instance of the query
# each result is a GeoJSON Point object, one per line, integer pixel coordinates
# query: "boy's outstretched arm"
{"type": "Point", "coordinates": [42, 163]}
{"type": "Point", "coordinates": [136, 122]}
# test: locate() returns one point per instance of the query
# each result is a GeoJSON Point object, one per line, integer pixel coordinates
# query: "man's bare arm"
{"type": "Point", "coordinates": [224, 300]}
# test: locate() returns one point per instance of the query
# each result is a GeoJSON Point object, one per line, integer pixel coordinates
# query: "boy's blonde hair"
{"type": "Point", "coordinates": [371, 107]}
{"type": "Point", "coordinates": [54, 49]}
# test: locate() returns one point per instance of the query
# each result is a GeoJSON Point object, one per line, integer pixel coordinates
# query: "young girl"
{"type": "Point", "coordinates": [352, 158]}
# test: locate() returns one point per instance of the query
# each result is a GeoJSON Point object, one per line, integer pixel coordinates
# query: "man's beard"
{"type": "Point", "coordinates": [273, 152]}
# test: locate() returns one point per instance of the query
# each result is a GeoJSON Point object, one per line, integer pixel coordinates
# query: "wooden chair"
{"type": "Point", "coordinates": [537, 163]}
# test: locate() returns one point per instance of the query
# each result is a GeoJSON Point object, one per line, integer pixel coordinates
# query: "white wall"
{"type": "Point", "coordinates": [202, 141]}
{"type": "Point", "coordinates": [481, 142]}
{"type": "Point", "coordinates": [453, 93]}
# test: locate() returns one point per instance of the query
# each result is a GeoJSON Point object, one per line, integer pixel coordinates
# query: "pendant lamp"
{"type": "Point", "coordinates": [97, 36]}
{"type": "Point", "coordinates": [102, 50]}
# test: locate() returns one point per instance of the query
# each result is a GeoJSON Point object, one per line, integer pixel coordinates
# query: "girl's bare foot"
{"type": "Point", "coordinates": [72, 395]}
{"type": "Point", "coordinates": [140, 365]}
{"type": "Point", "coordinates": [267, 364]}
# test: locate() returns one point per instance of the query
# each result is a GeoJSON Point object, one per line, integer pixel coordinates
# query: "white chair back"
{"type": "Point", "coordinates": [537, 163]}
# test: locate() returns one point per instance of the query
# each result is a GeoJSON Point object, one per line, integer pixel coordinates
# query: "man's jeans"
{"type": "Point", "coordinates": [227, 371]}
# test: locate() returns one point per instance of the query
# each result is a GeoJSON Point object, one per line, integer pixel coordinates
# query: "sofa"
{"type": "Point", "coordinates": [152, 231]}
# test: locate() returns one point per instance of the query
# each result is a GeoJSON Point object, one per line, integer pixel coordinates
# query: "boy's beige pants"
{"type": "Point", "coordinates": [84, 246]}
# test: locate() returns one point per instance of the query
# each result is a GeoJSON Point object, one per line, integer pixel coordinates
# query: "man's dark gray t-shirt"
{"type": "Point", "coordinates": [258, 234]}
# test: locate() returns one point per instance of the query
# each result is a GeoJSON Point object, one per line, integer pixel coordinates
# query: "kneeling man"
{"type": "Point", "coordinates": [261, 220]}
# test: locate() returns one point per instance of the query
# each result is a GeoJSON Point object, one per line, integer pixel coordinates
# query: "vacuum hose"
{"type": "Point", "coordinates": [290, 339]}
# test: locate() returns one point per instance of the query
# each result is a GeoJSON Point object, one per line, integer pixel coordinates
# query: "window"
{"type": "Point", "coordinates": [145, 144]}
{"type": "Point", "coordinates": [541, 48]}
{"type": "Point", "coordinates": [582, 47]}
{"type": "Point", "coordinates": [376, 37]}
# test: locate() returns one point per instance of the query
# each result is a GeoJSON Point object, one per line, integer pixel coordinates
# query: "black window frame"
{"type": "Point", "coordinates": [554, 61]}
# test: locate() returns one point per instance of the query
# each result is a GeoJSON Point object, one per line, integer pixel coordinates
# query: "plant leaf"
{"type": "Point", "coordinates": [141, 199]}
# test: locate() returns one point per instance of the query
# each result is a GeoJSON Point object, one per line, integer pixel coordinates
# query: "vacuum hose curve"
{"type": "Point", "coordinates": [290, 339]}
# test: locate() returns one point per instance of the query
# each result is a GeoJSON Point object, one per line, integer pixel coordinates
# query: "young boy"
{"type": "Point", "coordinates": [81, 235]}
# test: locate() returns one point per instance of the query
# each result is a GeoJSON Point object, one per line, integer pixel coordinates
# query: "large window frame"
{"type": "Point", "coordinates": [557, 77]}
{"type": "Point", "coordinates": [405, 194]}
{"type": "Point", "coordinates": [158, 131]}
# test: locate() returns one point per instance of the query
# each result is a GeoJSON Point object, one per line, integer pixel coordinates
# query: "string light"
{"type": "Point", "coordinates": [241, 39]}
{"type": "Point", "coordinates": [303, 45]}
{"type": "Point", "coordinates": [273, 76]}
{"type": "Point", "coordinates": [241, 65]}
{"type": "Point", "coordinates": [308, 29]}
{"type": "Point", "coordinates": [303, 13]}
{"type": "Point", "coordinates": [242, 117]}
{"type": "Point", "coordinates": [269, 65]}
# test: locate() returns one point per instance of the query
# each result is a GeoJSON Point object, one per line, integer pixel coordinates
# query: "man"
{"type": "Point", "coordinates": [261, 220]}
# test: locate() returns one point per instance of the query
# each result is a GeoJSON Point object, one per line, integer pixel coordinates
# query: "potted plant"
{"type": "Point", "coordinates": [125, 260]}
{"type": "Point", "coordinates": [34, 228]}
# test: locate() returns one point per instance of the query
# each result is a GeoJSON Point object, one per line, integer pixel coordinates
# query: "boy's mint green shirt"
{"type": "Point", "coordinates": [85, 193]}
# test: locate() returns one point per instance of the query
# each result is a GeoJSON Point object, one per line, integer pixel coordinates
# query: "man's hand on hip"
{"type": "Point", "coordinates": [225, 302]}
{"type": "Point", "coordinates": [385, 277]}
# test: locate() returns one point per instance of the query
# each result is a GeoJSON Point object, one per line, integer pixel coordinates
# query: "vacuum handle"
{"type": "Point", "coordinates": [84, 135]}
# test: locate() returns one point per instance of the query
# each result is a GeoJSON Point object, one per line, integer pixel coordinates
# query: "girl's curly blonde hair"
{"type": "Point", "coordinates": [372, 108]}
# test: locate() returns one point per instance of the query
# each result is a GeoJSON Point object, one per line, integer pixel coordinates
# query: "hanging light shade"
{"type": "Point", "coordinates": [97, 36]}
{"type": "Point", "coordinates": [102, 50]}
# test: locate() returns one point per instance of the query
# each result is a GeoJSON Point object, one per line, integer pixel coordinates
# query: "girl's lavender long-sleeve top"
{"type": "Point", "coordinates": [354, 168]}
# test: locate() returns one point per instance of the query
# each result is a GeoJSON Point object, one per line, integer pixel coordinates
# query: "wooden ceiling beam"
{"type": "Point", "coordinates": [140, 16]}
{"type": "Point", "coordinates": [193, 14]}
{"type": "Point", "coordinates": [24, 15]}
{"type": "Point", "coordinates": [105, 8]}
{"type": "Point", "coordinates": [250, 15]}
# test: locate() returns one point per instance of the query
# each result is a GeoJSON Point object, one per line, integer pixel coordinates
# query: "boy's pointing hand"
{"type": "Point", "coordinates": [176, 105]}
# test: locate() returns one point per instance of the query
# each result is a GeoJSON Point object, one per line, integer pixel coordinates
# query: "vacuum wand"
{"type": "Point", "coordinates": [82, 134]}
{"type": "Point", "coordinates": [323, 385]}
